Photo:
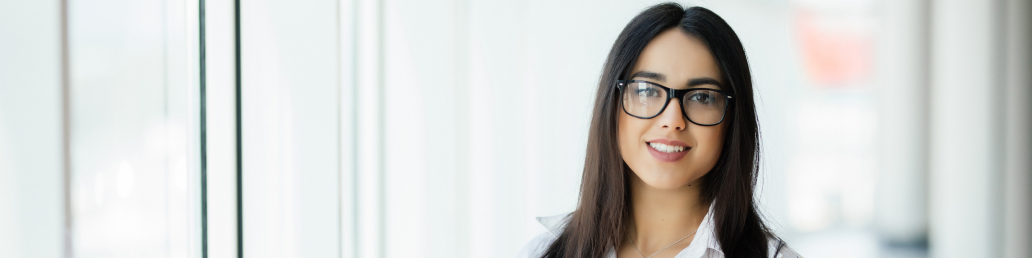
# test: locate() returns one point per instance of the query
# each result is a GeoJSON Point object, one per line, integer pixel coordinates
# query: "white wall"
{"type": "Point", "coordinates": [902, 197]}
{"type": "Point", "coordinates": [290, 96]}
{"type": "Point", "coordinates": [965, 126]}
{"type": "Point", "coordinates": [31, 197]}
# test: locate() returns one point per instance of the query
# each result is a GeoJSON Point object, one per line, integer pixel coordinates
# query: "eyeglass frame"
{"type": "Point", "coordinates": [671, 93]}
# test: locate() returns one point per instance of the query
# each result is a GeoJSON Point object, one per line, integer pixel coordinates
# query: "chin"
{"type": "Point", "coordinates": [666, 180]}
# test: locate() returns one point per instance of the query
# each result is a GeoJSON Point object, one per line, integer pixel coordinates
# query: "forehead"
{"type": "Point", "coordinates": [678, 56]}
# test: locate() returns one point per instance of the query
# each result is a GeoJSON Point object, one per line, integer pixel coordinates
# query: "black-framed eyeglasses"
{"type": "Point", "coordinates": [645, 100]}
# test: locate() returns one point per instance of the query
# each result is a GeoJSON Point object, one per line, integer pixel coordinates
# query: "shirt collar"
{"type": "Point", "coordinates": [705, 236]}
{"type": "Point", "coordinates": [555, 223]}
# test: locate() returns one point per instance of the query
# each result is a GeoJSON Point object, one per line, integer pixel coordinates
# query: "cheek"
{"type": "Point", "coordinates": [711, 143]}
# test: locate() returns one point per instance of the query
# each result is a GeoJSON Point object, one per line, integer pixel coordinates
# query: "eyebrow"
{"type": "Point", "coordinates": [704, 81]}
{"type": "Point", "coordinates": [662, 78]}
{"type": "Point", "coordinates": [649, 75]}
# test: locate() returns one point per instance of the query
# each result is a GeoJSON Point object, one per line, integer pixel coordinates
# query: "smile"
{"type": "Point", "coordinates": [669, 151]}
{"type": "Point", "coordinates": [667, 148]}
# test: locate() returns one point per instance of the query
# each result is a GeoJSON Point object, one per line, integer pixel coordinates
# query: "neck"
{"type": "Point", "coordinates": [662, 216]}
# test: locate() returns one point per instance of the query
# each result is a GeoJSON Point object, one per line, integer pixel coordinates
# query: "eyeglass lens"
{"type": "Point", "coordinates": [702, 106]}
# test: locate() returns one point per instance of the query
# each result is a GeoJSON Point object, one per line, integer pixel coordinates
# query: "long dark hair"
{"type": "Point", "coordinates": [598, 223]}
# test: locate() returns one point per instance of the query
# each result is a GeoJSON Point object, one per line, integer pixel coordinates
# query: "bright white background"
{"type": "Point", "coordinates": [390, 128]}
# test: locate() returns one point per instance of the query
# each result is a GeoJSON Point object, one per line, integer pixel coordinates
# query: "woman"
{"type": "Point", "coordinates": [672, 149]}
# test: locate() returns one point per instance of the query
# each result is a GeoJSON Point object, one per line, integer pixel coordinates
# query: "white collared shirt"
{"type": "Point", "coordinates": [704, 244]}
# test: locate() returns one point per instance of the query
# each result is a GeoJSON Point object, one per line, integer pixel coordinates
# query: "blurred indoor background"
{"type": "Point", "coordinates": [404, 128]}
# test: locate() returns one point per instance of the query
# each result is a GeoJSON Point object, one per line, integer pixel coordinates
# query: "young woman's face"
{"type": "Point", "coordinates": [672, 59]}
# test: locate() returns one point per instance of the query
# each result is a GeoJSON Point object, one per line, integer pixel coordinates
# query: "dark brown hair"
{"type": "Point", "coordinates": [605, 205]}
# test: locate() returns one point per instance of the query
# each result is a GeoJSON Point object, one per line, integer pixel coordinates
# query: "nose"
{"type": "Point", "coordinates": [672, 117]}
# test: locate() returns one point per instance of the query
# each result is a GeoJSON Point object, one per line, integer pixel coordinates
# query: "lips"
{"type": "Point", "coordinates": [667, 150]}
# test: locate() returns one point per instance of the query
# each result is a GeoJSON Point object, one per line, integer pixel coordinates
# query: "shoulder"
{"type": "Point", "coordinates": [538, 245]}
{"type": "Point", "coordinates": [780, 249]}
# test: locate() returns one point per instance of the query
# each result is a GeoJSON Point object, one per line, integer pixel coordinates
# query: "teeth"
{"type": "Point", "coordinates": [666, 148]}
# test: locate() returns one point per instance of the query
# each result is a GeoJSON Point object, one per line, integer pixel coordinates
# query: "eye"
{"type": "Point", "coordinates": [702, 97]}
{"type": "Point", "coordinates": [648, 92]}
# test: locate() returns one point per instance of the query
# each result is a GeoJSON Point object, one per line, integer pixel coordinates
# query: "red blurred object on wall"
{"type": "Point", "coordinates": [837, 50]}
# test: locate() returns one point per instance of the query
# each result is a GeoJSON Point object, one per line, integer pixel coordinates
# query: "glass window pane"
{"type": "Point", "coordinates": [134, 128]}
